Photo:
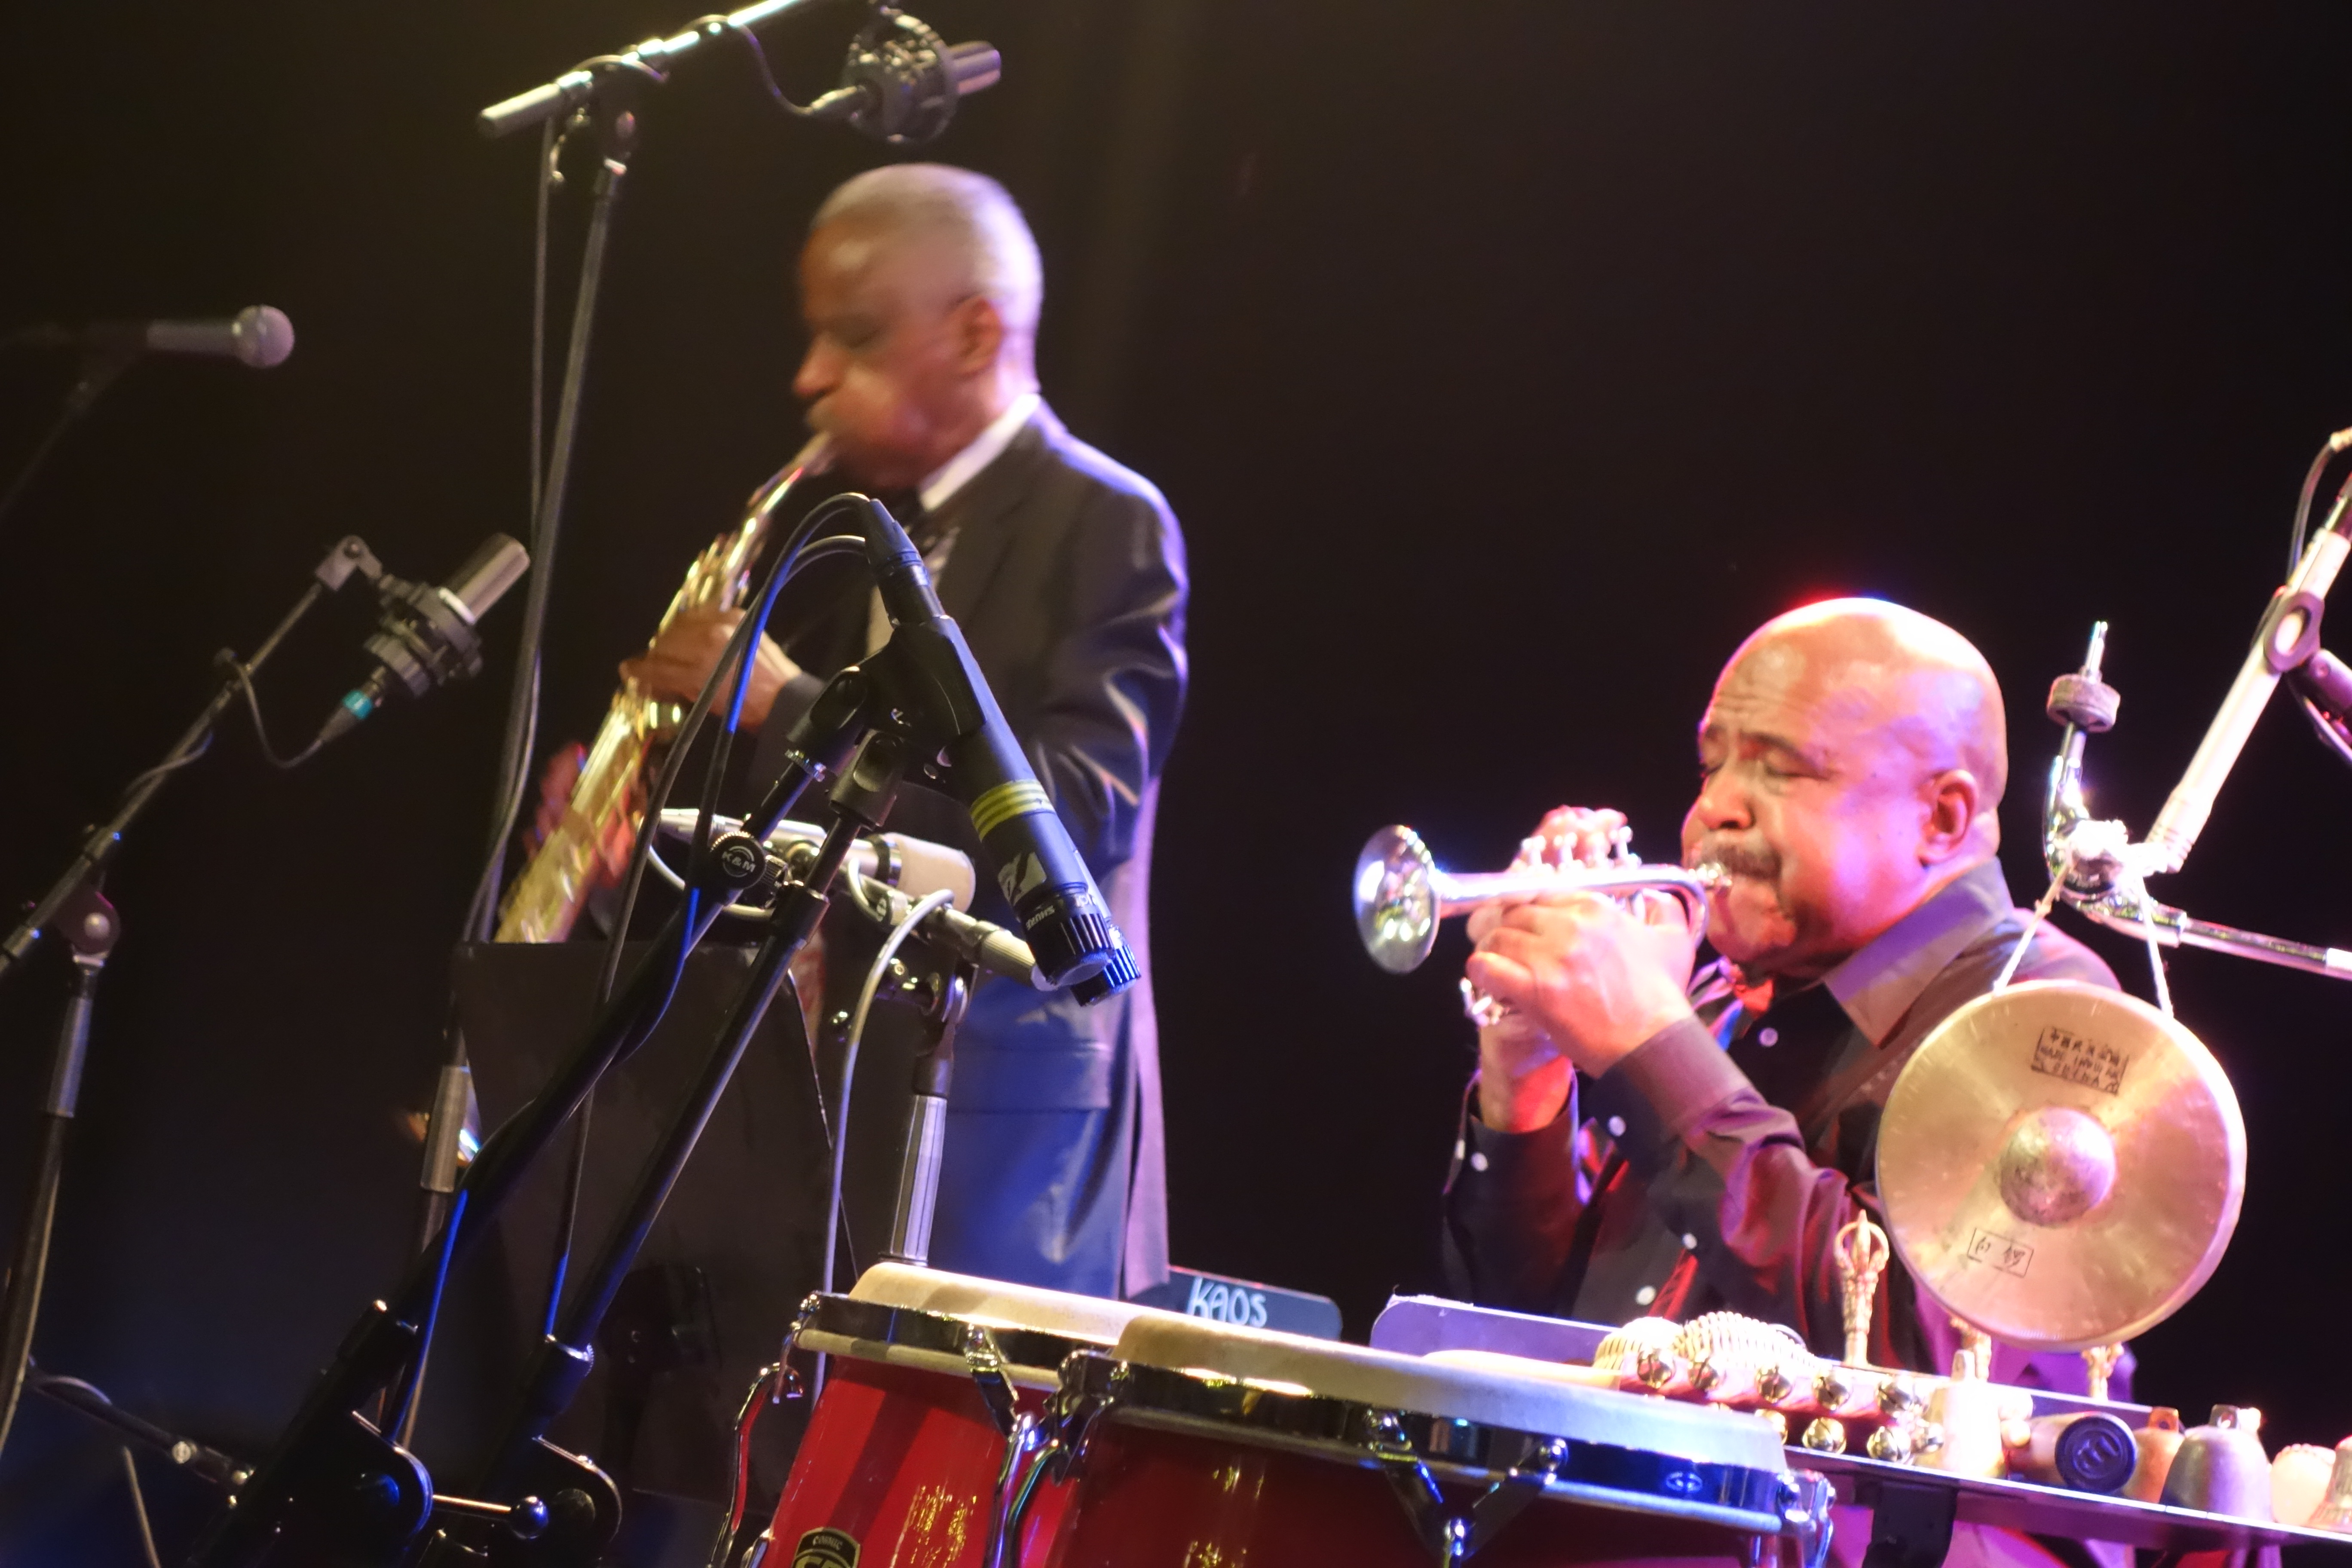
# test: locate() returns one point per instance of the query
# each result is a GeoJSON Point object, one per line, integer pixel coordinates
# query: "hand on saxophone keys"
{"type": "Point", "coordinates": [688, 648]}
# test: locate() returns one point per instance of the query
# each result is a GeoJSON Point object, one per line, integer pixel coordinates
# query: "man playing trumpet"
{"type": "Point", "coordinates": [1644, 1141]}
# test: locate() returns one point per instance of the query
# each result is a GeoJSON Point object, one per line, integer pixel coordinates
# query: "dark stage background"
{"type": "Point", "coordinates": [1507, 364]}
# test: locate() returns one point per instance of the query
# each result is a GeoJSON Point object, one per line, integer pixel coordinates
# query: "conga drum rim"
{"type": "Point", "coordinates": [1754, 1499]}
{"type": "Point", "coordinates": [928, 1341]}
{"type": "Point", "coordinates": [920, 1318]}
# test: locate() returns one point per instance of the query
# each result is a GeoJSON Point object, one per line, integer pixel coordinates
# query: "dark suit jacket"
{"type": "Point", "coordinates": [1066, 575]}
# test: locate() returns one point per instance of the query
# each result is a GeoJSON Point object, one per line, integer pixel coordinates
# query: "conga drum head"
{"type": "Point", "coordinates": [927, 1376]}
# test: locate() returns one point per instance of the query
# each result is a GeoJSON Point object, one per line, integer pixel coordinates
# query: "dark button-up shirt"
{"type": "Point", "coordinates": [1713, 1166]}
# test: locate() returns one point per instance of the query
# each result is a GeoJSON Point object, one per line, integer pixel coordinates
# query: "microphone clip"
{"type": "Point", "coordinates": [426, 637]}
{"type": "Point", "coordinates": [902, 81]}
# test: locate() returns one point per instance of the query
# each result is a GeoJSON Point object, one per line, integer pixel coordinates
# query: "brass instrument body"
{"type": "Point", "coordinates": [607, 801]}
{"type": "Point", "coordinates": [1401, 895]}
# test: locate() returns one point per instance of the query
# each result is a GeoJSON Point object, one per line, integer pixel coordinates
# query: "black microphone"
{"type": "Point", "coordinates": [425, 636]}
{"type": "Point", "coordinates": [260, 336]}
{"type": "Point", "coordinates": [1041, 872]}
{"type": "Point", "coordinates": [902, 83]}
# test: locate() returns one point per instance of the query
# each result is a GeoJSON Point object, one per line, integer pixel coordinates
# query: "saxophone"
{"type": "Point", "coordinates": [608, 801]}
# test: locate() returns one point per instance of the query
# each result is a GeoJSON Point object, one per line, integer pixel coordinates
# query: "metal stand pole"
{"type": "Point", "coordinates": [927, 1120]}
{"type": "Point", "coordinates": [74, 907]}
{"type": "Point", "coordinates": [91, 926]}
{"type": "Point", "coordinates": [565, 1357]}
{"type": "Point", "coordinates": [351, 555]}
{"type": "Point", "coordinates": [452, 1096]}
{"type": "Point", "coordinates": [332, 1475]}
{"type": "Point", "coordinates": [618, 132]}
{"type": "Point", "coordinates": [100, 370]}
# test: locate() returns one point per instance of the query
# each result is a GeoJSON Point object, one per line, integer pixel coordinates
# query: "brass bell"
{"type": "Point", "coordinates": [2156, 1442]}
{"type": "Point", "coordinates": [2222, 1467]}
{"type": "Point", "coordinates": [2335, 1511]}
{"type": "Point", "coordinates": [2299, 1476]}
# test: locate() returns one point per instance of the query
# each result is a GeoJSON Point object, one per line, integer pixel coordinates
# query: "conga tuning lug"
{"type": "Point", "coordinates": [1805, 1503]}
{"type": "Point", "coordinates": [986, 1364]}
{"type": "Point", "coordinates": [1450, 1536]}
{"type": "Point", "coordinates": [1027, 1446]}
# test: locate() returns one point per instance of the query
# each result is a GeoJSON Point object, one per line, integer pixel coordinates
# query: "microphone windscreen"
{"type": "Point", "coordinates": [925, 867]}
{"type": "Point", "coordinates": [263, 335]}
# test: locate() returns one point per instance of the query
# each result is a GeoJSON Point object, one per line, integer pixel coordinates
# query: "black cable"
{"type": "Point", "coordinates": [243, 678]}
{"type": "Point", "coordinates": [139, 1509]}
{"type": "Point", "coordinates": [168, 765]}
{"type": "Point", "coordinates": [750, 41]}
{"type": "Point", "coordinates": [396, 1408]}
{"type": "Point", "coordinates": [741, 648]}
{"type": "Point", "coordinates": [794, 545]}
{"type": "Point", "coordinates": [481, 912]}
{"type": "Point", "coordinates": [2328, 450]}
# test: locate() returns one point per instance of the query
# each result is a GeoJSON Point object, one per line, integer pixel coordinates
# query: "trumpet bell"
{"type": "Point", "coordinates": [1396, 909]}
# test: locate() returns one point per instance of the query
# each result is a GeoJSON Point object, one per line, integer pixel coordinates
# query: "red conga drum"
{"type": "Point", "coordinates": [1198, 1443]}
{"type": "Point", "coordinates": [927, 1375]}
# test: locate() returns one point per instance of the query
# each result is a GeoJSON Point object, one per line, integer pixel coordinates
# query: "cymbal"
{"type": "Point", "coordinates": [2062, 1165]}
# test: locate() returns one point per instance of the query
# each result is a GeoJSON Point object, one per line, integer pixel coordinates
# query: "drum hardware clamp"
{"type": "Point", "coordinates": [1452, 1536]}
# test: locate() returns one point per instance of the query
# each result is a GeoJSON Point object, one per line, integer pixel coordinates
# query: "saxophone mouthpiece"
{"type": "Point", "coordinates": [816, 458]}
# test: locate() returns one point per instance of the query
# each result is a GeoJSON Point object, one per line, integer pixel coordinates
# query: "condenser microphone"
{"type": "Point", "coordinates": [902, 81]}
{"type": "Point", "coordinates": [425, 636]}
{"type": "Point", "coordinates": [260, 336]}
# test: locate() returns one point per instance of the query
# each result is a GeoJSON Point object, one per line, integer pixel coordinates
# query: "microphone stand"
{"type": "Point", "coordinates": [351, 555]}
{"type": "Point", "coordinates": [2097, 868]}
{"type": "Point", "coordinates": [453, 1089]}
{"type": "Point", "coordinates": [860, 800]}
{"type": "Point", "coordinates": [101, 368]}
{"type": "Point", "coordinates": [76, 909]}
{"type": "Point", "coordinates": [337, 1485]}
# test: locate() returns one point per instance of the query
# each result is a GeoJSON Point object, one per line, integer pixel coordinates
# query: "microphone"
{"type": "Point", "coordinates": [2286, 639]}
{"type": "Point", "coordinates": [424, 637]}
{"type": "Point", "coordinates": [916, 866]}
{"type": "Point", "coordinates": [949, 929]}
{"type": "Point", "coordinates": [260, 336]}
{"type": "Point", "coordinates": [1041, 872]}
{"type": "Point", "coordinates": [902, 83]}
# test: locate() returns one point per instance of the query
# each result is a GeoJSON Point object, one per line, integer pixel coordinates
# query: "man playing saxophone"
{"type": "Point", "coordinates": [922, 289]}
{"type": "Point", "coordinates": [1641, 1141]}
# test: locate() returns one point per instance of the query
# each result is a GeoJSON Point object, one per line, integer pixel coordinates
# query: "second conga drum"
{"type": "Point", "coordinates": [1195, 1443]}
{"type": "Point", "coordinates": [903, 1452]}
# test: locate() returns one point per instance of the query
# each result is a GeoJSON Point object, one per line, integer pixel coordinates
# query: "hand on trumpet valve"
{"type": "Point", "coordinates": [1587, 978]}
{"type": "Point", "coordinates": [1570, 836]}
{"type": "Point", "coordinates": [1577, 836]}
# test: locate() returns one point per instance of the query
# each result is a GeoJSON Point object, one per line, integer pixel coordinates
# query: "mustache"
{"type": "Point", "coordinates": [1741, 859]}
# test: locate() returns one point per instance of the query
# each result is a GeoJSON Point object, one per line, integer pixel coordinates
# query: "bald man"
{"type": "Point", "coordinates": [1645, 1142]}
{"type": "Point", "coordinates": [922, 289]}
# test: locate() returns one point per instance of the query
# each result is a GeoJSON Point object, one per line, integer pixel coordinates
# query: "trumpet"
{"type": "Point", "coordinates": [1401, 895]}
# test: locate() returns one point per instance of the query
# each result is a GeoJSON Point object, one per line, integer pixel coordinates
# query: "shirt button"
{"type": "Point", "coordinates": [1616, 1126]}
{"type": "Point", "coordinates": [1477, 1162]}
{"type": "Point", "coordinates": [1768, 1035]}
{"type": "Point", "coordinates": [1690, 1242]}
{"type": "Point", "coordinates": [1645, 1295]}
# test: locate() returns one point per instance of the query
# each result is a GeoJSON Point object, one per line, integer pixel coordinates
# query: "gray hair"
{"type": "Point", "coordinates": [978, 217]}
